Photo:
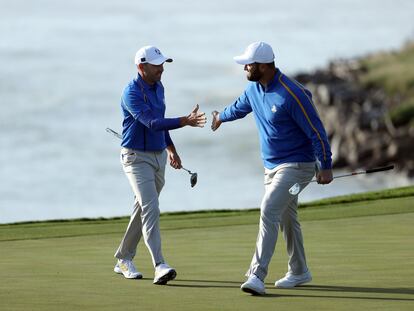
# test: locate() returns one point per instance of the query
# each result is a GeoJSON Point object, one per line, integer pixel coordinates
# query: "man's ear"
{"type": "Point", "coordinates": [140, 67]}
{"type": "Point", "coordinates": [262, 67]}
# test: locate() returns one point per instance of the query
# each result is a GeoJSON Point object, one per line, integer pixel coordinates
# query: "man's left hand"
{"type": "Point", "coordinates": [175, 160]}
{"type": "Point", "coordinates": [324, 176]}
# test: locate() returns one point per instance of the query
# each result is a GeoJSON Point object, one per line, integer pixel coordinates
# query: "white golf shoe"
{"type": "Point", "coordinates": [163, 274]}
{"type": "Point", "coordinates": [127, 268]}
{"type": "Point", "coordinates": [292, 280]}
{"type": "Point", "coordinates": [253, 285]}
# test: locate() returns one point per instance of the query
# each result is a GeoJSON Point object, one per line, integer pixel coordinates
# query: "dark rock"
{"type": "Point", "coordinates": [356, 119]}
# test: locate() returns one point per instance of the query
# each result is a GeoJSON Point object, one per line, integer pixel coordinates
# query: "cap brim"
{"type": "Point", "coordinates": [242, 60]}
{"type": "Point", "coordinates": [160, 60]}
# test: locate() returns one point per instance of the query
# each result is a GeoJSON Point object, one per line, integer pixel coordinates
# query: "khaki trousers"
{"type": "Point", "coordinates": [279, 209]}
{"type": "Point", "coordinates": [145, 172]}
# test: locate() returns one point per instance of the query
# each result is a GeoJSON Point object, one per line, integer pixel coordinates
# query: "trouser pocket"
{"type": "Point", "coordinates": [127, 158]}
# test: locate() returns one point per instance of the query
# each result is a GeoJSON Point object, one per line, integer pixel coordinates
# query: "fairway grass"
{"type": "Point", "coordinates": [361, 256]}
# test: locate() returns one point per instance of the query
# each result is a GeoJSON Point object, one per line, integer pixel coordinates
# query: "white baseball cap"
{"type": "Point", "coordinates": [257, 52]}
{"type": "Point", "coordinates": [150, 55]}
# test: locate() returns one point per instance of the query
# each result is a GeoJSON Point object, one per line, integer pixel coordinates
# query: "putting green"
{"type": "Point", "coordinates": [361, 256]}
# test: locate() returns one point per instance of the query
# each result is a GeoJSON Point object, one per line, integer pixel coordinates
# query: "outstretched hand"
{"type": "Point", "coordinates": [195, 118]}
{"type": "Point", "coordinates": [215, 124]}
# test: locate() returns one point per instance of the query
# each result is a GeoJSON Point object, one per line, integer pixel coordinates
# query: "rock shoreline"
{"type": "Point", "coordinates": [357, 119]}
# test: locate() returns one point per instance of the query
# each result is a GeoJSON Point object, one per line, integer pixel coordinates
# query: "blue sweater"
{"type": "Point", "coordinates": [144, 127]}
{"type": "Point", "coordinates": [290, 129]}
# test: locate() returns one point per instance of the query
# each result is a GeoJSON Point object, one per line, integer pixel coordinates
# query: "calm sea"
{"type": "Point", "coordinates": [63, 65]}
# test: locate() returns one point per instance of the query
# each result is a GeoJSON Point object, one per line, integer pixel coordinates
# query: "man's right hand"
{"type": "Point", "coordinates": [215, 124]}
{"type": "Point", "coordinates": [324, 176]}
{"type": "Point", "coordinates": [194, 119]}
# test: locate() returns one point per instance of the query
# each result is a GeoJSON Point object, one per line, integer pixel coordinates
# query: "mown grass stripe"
{"type": "Point", "coordinates": [347, 210]}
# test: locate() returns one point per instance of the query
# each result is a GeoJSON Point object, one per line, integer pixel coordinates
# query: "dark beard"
{"type": "Point", "coordinates": [255, 75]}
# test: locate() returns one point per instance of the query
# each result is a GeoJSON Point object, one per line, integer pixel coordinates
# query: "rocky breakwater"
{"type": "Point", "coordinates": [358, 118]}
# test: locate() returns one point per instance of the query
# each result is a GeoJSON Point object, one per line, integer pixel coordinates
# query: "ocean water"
{"type": "Point", "coordinates": [63, 65]}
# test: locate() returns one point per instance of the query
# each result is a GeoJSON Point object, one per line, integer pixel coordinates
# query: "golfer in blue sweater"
{"type": "Point", "coordinates": [146, 148]}
{"type": "Point", "coordinates": [292, 139]}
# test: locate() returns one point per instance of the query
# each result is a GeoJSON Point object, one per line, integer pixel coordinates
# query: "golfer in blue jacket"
{"type": "Point", "coordinates": [146, 148]}
{"type": "Point", "coordinates": [292, 139]}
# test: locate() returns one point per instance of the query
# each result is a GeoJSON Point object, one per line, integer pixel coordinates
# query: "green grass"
{"type": "Point", "coordinates": [394, 73]}
{"type": "Point", "coordinates": [403, 113]}
{"type": "Point", "coordinates": [360, 253]}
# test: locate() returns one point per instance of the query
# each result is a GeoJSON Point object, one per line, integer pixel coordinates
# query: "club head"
{"type": "Point", "coordinates": [295, 189]}
{"type": "Point", "coordinates": [193, 179]}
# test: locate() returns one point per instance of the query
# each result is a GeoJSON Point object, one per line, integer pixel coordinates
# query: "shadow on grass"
{"type": "Point", "coordinates": [321, 288]}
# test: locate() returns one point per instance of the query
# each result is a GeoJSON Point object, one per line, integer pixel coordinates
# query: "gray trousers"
{"type": "Point", "coordinates": [279, 209]}
{"type": "Point", "coordinates": [145, 172]}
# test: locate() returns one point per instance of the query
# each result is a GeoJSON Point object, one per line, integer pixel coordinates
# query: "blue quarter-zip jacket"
{"type": "Point", "coordinates": [290, 129]}
{"type": "Point", "coordinates": [144, 127]}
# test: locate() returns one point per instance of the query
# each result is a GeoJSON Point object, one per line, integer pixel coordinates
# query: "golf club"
{"type": "Point", "coordinates": [296, 188]}
{"type": "Point", "coordinates": [193, 177]}
{"type": "Point", "coordinates": [111, 131]}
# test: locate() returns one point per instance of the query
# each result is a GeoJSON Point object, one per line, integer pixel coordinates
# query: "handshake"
{"type": "Point", "coordinates": [199, 119]}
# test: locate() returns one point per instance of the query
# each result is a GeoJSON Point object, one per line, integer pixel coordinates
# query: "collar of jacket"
{"type": "Point", "coordinates": [140, 81]}
{"type": "Point", "coordinates": [274, 82]}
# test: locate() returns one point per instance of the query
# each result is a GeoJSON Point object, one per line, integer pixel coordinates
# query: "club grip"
{"type": "Point", "coordinates": [380, 169]}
